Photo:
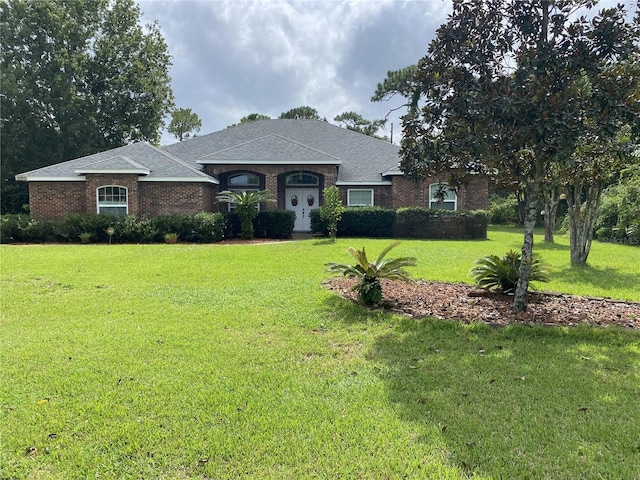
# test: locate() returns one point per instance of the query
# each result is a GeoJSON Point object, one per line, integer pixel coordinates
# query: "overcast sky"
{"type": "Point", "coordinates": [236, 57]}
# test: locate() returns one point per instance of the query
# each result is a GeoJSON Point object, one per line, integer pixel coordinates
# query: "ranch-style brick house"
{"type": "Point", "coordinates": [293, 159]}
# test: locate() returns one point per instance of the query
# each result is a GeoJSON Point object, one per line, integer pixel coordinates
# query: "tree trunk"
{"type": "Point", "coordinates": [531, 208]}
{"type": "Point", "coordinates": [551, 201]}
{"type": "Point", "coordinates": [582, 219]}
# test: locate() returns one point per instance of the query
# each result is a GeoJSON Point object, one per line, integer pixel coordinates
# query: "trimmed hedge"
{"type": "Point", "coordinates": [412, 222]}
{"type": "Point", "coordinates": [202, 227]}
{"type": "Point", "coordinates": [359, 222]}
{"type": "Point", "coordinates": [267, 224]}
{"type": "Point", "coordinates": [418, 222]}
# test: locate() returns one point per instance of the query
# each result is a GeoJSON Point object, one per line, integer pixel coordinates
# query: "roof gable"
{"type": "Point", "coordinates": [272, 148]}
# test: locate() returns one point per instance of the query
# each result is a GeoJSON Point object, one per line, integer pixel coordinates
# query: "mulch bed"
{"type": "Point", "coordinates": [468, 304]}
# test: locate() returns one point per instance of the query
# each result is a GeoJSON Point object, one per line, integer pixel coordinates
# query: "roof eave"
{"type": "Point", "coordinates": [269, 162]}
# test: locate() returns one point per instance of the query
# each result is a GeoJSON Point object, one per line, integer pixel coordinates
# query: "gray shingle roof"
{"type": "Point", "coordinates": [136, 158]}
{"type": "Point", "coordinates": [361, 159]}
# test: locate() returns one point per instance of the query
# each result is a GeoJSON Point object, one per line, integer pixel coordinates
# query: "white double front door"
{"type": "Point", "coordinates": [302, 201]}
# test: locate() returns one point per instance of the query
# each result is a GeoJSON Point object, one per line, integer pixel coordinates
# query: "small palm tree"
{"type": "Point", "coordinates": [370, 273]}
{"type": "Point", "coordinates": [246, 206]}
{"type": "Point", "coordinates": [496, 274]}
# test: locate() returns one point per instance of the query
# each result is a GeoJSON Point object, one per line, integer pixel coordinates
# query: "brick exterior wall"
{"type": "Point", "coordinates": [272, 178]}
{"type": "Point", "coordinates": [53, 200]}
{"type": "Point", "coordinates": [129, 181]}
{"type": "Point", "coordinates": [473, 195]}
{"type": "Point", "coordinates": [166, 198]}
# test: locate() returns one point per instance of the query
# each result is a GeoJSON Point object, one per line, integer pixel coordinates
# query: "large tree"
{"type": "Point", "coordinates": [183, 123]}
{"type": "Point", "coordinates": [77, 77]}
{"type": "Point", "coordinates": [252, 117]}
{"type": "Point", "coordinates": [356, 122]}
{"type": "Point", "coordinates": [305, 113]}
{"type": "Point", "coordinates": [511, 88]}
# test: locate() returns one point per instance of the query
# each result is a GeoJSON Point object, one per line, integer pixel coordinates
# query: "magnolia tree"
{"type": "Point", "coordinates": [512, 88]}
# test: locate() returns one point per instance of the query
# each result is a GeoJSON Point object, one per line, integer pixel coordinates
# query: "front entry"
{"type": "Point", "coordinates": [302, 201]}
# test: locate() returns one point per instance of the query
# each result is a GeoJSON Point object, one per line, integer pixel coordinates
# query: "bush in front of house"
{"type": "Point", "coordinates": [359, 222]}
{"type": "Point", "coordinates": [419, 222]}
{"type": "Point", "coordinates": [203, 227]}
{"type": "Point", "coordinates": [274, 224]}
{"type": "Point", "coordinates": [367, 222]}
{"type": "Point", "coordinates": [19, 228]}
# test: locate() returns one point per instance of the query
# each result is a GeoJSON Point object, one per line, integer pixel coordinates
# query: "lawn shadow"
{"type": "Point", "coordinates": [605, 278]}
{"type": "Point", "coordinates": [503, 400]}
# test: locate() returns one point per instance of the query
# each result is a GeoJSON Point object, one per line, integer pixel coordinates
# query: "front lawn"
{"type": "Point", "coordinates": [229, 361]}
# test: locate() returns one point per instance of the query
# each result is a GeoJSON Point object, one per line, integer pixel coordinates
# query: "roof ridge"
{"type": "Point", "coordinates": [265, 137]}
{"type": "Point", "coordinates": [176, 159]}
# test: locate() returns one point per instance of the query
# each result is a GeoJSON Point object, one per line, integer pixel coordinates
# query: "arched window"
{"type": "Point", "coordinates": [442, 196]}
{"type": "Point", "coordinates": [302, 180]}
{"type": "Point", "coordinates": [244, 180]}
{"type": "Point", "coordinates": [112, 200]}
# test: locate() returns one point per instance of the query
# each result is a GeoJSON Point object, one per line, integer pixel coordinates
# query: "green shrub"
{"type": "Point", "coordinates": [370, 273]}
{"type": "Point", "coordinates": [20, 227]}
{"type": "Point", "coordinates": [497, 274]}
{"type": "Point", "coordinates": [208, 227]}
{"type": "Point", "coordinates": [419, 222]}
{"type": "Point", "coordinates": [274, 223]}
{"type": "Point", "coordinates": [74, 225]}
{"type": "Point", "coordinates": [373, 222]}
{"type": "Point", "coordinates": [503, 210]}
{"type": "Point", "coordinates": [332, 210]}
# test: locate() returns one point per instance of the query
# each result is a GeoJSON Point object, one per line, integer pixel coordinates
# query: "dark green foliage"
{"type": "Point", "coordinates": [503, 210]}
{"type": "Point", "coordinates": [619, 214]}
{"type": "Point", "coordinates": [374, 222]}
{"type": "Point", "coordinates": [267, 224]}
{"type": "Point", "coordinates": [246, 207]}
{"type": "Point", "coordinates": [370, 273]}
{"type": "Point", "coordinates": [274, 224]}
{"type": "Point", "coordinates": [78, 77]}
{"type": "Point", "coordinates": [419, 222]}
{"type": "Point", "coordinates": [332, 210]}
{"type": "Point", "coordinates": [202, 227]}
{"type": "Point", "coordinates": [497, 274]}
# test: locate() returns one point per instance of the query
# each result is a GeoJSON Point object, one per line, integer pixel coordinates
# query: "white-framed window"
{"type": "Point", "coordinates": [112, 200]}
{"type": "Point", "coordinates": [442, 196]}
{"type": "Point", "coordinates": [360, 197]}
{"type": "Point", "coordinates": [243, 182]}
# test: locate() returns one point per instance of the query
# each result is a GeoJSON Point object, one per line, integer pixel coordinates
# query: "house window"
{"type": "Point", "coordinates": [302, 179]}
{"type": "Point", "coordinates": [113, 200]}
{"type": "Point", "coordinates": [442, 196]}
{"type": "Point", "coordinates": [360, 197]}
{"type": "Point", "coordinates": [243, 182]}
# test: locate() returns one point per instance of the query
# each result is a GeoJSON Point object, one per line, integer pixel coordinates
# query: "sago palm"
{"type": "Point", "coordinates": [370, 273]}
{"type": "Point", "coordinates": [246, 206]}
{"type": "Point", "coordinates": [497, 274]}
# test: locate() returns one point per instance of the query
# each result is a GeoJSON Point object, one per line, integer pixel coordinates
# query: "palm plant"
{"type": "Point", "coordinates": [369, 289]}
{"type": "Point", "coordinates": [246, 206]}
{"type": "Point", "coordinates": [496, 274]}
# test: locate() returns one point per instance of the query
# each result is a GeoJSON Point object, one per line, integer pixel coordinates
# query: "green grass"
{"type": "Point", "coordinates": [210, 361]}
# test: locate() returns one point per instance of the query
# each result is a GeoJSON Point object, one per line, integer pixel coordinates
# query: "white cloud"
{"type": "Point", "coordinates": [232, 58]}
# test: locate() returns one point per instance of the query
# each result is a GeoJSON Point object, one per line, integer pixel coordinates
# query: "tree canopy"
{"type": "Point", "coordinates": [354, 121]}
{"type": "Point", "coordinates": [78, 77]}
{"type": "Point", "coordinates": [305, 113]}
{"type": "Point", "coordinates": [252, 117]}
{"type": "Point", "coordinates": [183, 123]}
{"type": "Point", "coordinates": [512, 87]}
